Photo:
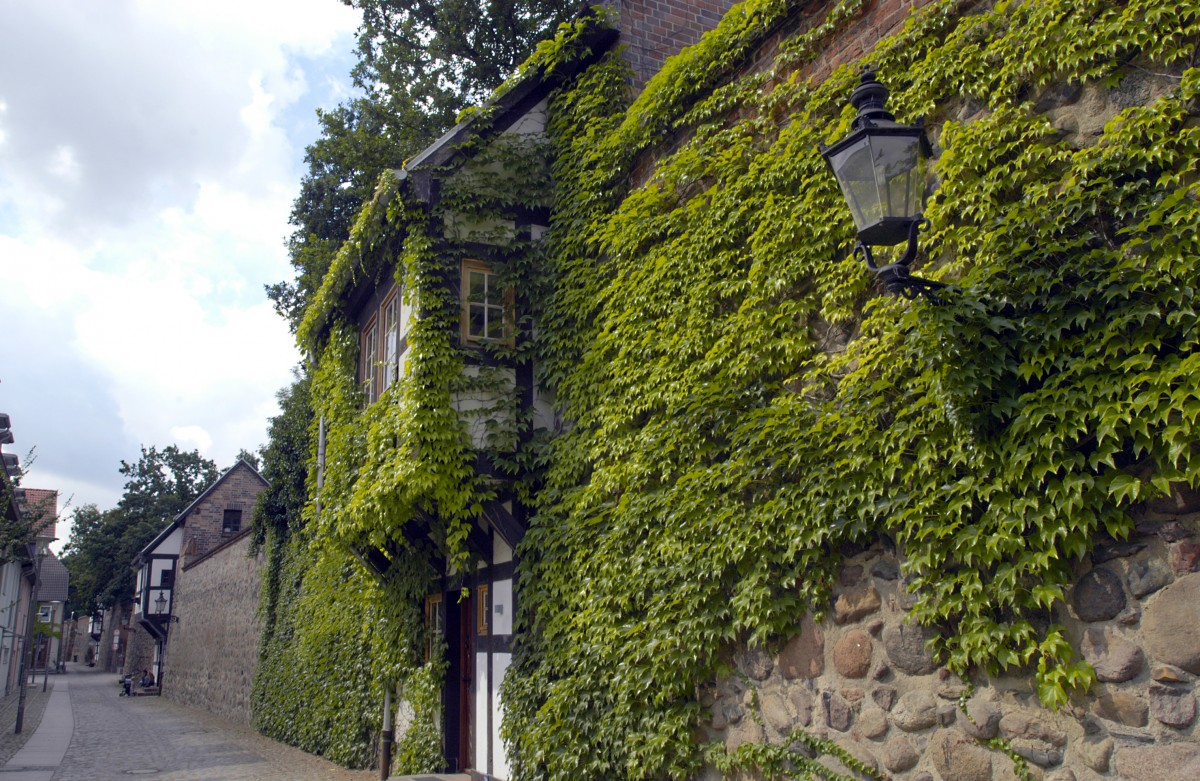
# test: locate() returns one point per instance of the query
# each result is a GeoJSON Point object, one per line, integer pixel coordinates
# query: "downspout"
{"type": "Point", "coordinates": [388, 736]}
{"type": "Point", "coordinates": [320, 461]}
{"type": "Point", "coordinates": [312, 362]}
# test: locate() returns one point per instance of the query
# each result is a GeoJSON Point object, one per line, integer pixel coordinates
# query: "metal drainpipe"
{"type": "Point", "coordinates": [320, 461]}
{"type": "Point", "coordinates": [387, 738]}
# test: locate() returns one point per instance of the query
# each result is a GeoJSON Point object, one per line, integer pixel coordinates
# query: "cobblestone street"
{"type": "Point", "coordinates": [111, 737]}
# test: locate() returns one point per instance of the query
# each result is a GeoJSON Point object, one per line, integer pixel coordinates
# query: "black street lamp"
{"type": "Point", "coordinates": [881, 169]}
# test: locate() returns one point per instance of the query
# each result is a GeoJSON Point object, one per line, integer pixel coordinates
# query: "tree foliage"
{"type": "Point", "coordinates": [286, 462]}
{"type": "Point", "coordinates": [442, 55]}
{"type": "Point", "coordinates": [159, 485]}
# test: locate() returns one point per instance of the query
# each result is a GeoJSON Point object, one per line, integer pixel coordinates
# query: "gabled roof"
{"type": "Point", "coordinates": [41, 505]}
{"type": "Point", "coordinates": [204, 494]}
{"type": "Point", "coordinates": [178, 520]}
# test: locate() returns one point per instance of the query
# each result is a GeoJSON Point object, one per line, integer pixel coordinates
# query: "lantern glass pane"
{"type": "Point", "coordinates": [899, 170]}
{"type": "Point", "coordinates": [855, 172]}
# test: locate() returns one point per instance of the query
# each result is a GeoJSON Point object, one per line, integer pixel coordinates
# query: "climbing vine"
{"type": "Point", "coordinates": [745, 409]}
{"type": "Point", "coordinates": [345, 588]}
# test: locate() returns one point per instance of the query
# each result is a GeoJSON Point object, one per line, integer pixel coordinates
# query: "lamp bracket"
{"type": "Point", "coordinates": [896, 278]}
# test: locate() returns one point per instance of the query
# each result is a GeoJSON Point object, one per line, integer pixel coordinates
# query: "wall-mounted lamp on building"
{"type": "Point", "coordinates": [160, 607]}
{"type": "Point", "coordinates": [881, 169]}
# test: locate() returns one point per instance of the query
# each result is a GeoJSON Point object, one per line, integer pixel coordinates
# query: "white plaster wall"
{"type": "Point", "coordinates": [500, 664]}
{"type": "Point", "coordinates": [502, 607]}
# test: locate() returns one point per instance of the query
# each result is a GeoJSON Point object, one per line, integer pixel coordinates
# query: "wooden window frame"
{"type": "Point", "coordinates": [225, 517]}
{"type": "Point", "coordinates": [368, 357]}
{"type": "Point", "coordinates": [484, 612]}
{"type": "Point", "coordinates": [435, 624]}
{"type": "Point", "coordinates": [507, 305]}
{"type": "Point", "coordinates": [389, 364]}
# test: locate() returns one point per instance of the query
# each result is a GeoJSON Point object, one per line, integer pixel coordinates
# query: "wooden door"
{"type": "Point", "coordinates": [456, 700]}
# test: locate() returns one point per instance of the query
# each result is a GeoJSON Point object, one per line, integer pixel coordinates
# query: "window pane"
{"type": "Point", "coordinates": [477, 282]}
{"type": "Point", "coordinates": [495, 324]}
{"type": "Point", "coordinates": [369, 360]}
{"type": "Point", "coordinates": [856, 175]}
{"type": "Point", "coordinates": [477, 321]}
{"type": "Point", "coordinates": [896, 161]}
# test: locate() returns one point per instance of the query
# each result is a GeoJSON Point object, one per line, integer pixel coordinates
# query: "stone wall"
{"type": "Point", "coordinates": [139, 655]}
{"type": "Point", "coordinates": [864, 679]}
{"type": "Point", "coordinates": [212, 652]}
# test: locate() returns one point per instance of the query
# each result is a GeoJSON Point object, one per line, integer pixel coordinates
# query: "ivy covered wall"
{"type": "Point", "coordinates": [746, 411]}
{"type": "Point", "coordinates": [400, 490]}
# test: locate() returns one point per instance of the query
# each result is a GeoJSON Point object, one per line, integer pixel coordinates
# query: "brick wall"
{"type": "Point", "coordinates": [653, 30]}
{"type": "Point", "coordinates": [212, 652]}
{"type": "Point", "coordinates": [877, 21]}
{"type": "Point", "coordinates": [202, 528]}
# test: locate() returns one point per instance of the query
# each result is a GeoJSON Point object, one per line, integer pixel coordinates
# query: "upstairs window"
{"type": "Point", "coordinates": [382, 345]}
{"type": "Point", "coordinates": [487, 307]}
{"type": "Point", "coordinates": [368, 356]}
{"type": "Point", "coordinates": [390, 316]}
{"type": "Point", "coordinates": [166, 578]}
{"type": "Point", "coordinates": [232, 522]}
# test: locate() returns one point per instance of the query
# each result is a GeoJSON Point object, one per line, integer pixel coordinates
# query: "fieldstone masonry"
{"type": "Point", "coordinates": [140, 653]}
{"type": "Point", "coordinates": [212, 652]}
{"type": "Point", "coordinates": [865, 679]}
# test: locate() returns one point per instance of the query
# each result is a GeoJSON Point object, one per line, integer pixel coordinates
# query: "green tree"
{"type": "Point", "coordinates": [250, 457]}
{"type": "Point", "coordinates": [159, 485]}
{"type": "Point", "coordinates": [285, 462]}
{"type": "Point", "coordinates": [91, 542]}
{"type": "Point", "coordinates": [440, 55]}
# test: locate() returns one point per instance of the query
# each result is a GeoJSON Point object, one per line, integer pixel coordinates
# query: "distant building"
{"type": "Point", "coordinates": [217, 521]}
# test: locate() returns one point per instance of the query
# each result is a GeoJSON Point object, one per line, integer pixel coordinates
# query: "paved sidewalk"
{"type": "Point", "coordinates": [35, 705]}
{"type": "Point", "coordinates": [88, 733]}
{"type": "Point", "coordinates": [43, 752]}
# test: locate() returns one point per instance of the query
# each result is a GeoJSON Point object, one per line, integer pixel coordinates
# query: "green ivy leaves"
{"type": "Point", "coordinates": [743, 410]}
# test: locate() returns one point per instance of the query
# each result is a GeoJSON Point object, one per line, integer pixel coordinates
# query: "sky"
{"type": "Point", "coordinates": [150, 151]}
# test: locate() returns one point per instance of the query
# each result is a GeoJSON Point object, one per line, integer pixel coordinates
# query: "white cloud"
{"type": "Point", "coordinates": [64, 165]}
{"type": "Point", "coordinates": [195, 436]}
{"type": "Point", "coordinates": [149, 155]}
